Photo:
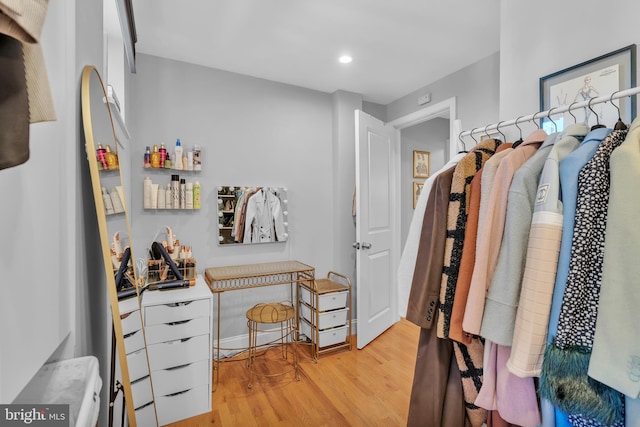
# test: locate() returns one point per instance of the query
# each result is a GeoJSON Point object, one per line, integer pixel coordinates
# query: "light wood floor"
{"type": "Point", "coordinates": [368, 387]}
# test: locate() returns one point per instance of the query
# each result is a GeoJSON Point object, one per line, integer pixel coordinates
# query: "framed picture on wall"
{"type": "Point", "coordinates": [421, 164]}
{"type": "Point", "coordinates": [417, 188]}
{"type": "Point", "coordinates": [601, 76]}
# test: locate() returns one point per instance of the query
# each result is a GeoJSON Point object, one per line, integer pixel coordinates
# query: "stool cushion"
{"type": "Point", "coordinates": [273, 312]}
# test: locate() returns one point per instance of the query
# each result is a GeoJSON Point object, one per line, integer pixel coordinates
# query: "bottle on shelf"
{"type": "Point", "coordinates": [147, 157]}
{"type": "Point", "coordinates": [163, 155]}
{"type": "Point", "coordinates": [167, 161]}
{"type": "Point", "coordinates": [111, 158]}
{"type": "Point", "coordinates": [189, 196]}
{"type": "Point", "coordinates": [197, 194]}
{"type": "Point", "coordinates": [183, 193]}
{"type": "Point", "coordinates": [177, 164]}
{"type": "Point", "coordinates": [197, 158]}
{"type": "Point", "coordinates": [155, 157]}
{"type": "Point", "coordinates": [106, 198]}
{"type": "Point", "coordinates": [100, 153]}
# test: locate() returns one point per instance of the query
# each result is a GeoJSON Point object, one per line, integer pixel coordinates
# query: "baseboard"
{"type": "Point", "coordinates": [233, 345]}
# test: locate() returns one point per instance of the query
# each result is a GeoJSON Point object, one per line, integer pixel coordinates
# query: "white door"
{"type": "Point", "coordinates": [377, 216]}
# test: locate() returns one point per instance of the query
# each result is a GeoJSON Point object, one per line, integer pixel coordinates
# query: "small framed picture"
{"type": "Point", "coordinates": [421, 164]}
{"type": "Point", "coordinates": [417, 189]}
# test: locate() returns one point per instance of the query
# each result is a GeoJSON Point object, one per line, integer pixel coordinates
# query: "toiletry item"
{"type": "Point", "coordinates": [170, 240]}
{"type": "Point", "coordinates": [111, 158]}
{"type": "Point", "coordinates": [147, 157]}
{"type": "Point", "coordinates": [175, 191]}
{"type": "Point", "coordinates": [120, 190]}
{"type": "Point", "coordinates": [177, 158]}
{"type": "Point", "coordinates": [168, 197]}
{"type": "Point", "coordinates": [154, 196]}
{"type": "Point", "coordinates": [190, 160]}
{"type": "Point", "coordinates": [117, 246]}
{"type": "Point", "coordinates": [108, 206]}
{"type": "Point", "coordinates": [197, 158]}
{"type": "Point", "coordinates": [100, 153]}
{"type": "Point", "coordinates": [117, 203]}
{"type": "Point", "coordinates": [163, 155]}
{"type": "Point", "coordinates": [167, 161]}
{"type": "Point", "coordinates": [183, 194]}
{"type": "Point", "coordinates": [146, 193]}
{"type": "Point", "coordinates": [162, 197]}
{"type": "Point", "coordinates": [196, 195]}
{"type": "Point", "coordinates": [189, 196]}
{"type": "Point", "coordinates": [155, 157]}
{"type": "Point", "coordinates": [185, 162]}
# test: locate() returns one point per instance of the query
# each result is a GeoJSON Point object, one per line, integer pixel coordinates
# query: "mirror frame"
{"type": "Point", "coordinates": [87, 74]}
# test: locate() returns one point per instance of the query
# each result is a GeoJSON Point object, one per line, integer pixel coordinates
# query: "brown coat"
{"type": "Point", "coordinates": [436, 395]}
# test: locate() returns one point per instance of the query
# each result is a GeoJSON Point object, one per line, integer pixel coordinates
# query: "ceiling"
{"type": "Point", "coordinates": [397, 47]}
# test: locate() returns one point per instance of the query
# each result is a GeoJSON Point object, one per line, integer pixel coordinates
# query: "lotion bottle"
{"type": "Point", "coordinates": [177, 164]}
{"type": "Point", "coordinates": [108, 206]}
{"type": "Point", "coordinates": [197, 203]}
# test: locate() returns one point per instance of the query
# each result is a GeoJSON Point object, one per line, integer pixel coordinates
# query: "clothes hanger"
{"type": "Point", "coordinates": [549, 117]}
{"type": "Point", "coordinates": [504, 138]}
{"type": "Point", "coordinates": [575, 120]}
{"type": "Point", "coordinates": [619, 124]}
{"type": "Point", "coordinates": [464, 146]}
{"type": "Point", "coordinates": [519, 141]}
{"type": "Point", "coordinates": [471, 135]}
{"type": "Point", "coordinates": [597, 125]}
{"type": "Point", "coordinates": [487, 133]}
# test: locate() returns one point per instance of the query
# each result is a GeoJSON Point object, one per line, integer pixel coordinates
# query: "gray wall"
{"type": "Point", "coordinates": [476, 88]}
{"type": "Point", "coordinates": [427, 136]}
{"type": "Point", "coordinates": [252, 132]}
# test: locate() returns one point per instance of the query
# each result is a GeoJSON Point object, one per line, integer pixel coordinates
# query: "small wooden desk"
{"type": "Point", "coordinates": [245, 276]}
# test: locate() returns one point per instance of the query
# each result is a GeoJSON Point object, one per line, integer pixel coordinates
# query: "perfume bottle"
{"type": "Point", "coordinates": [100, 153]}
{"type": "Point", "coordinates": [155, 157]}
{"type": "Point", "coordinates": [163, 155]}
{"type": "Point", "coordinates": [111, 157]}
{"type": "Point", "coordinates": [147, 157]}
{"type": "Point", "coordinates": [167, 162]}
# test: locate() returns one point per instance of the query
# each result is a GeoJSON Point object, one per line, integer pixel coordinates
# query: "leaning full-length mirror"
{"type": "Point", "coordinates": [110, 196]}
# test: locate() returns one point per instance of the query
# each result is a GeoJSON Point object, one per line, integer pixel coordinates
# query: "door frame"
{"type": "Point", "coordinates": [440, 109]}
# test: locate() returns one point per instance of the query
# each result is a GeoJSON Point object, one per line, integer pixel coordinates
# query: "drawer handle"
{"type": "Point", "coordinates": [140, 379]}
{"type": "Point", "coordinates": [178, 367]}
{"type": "Point", "coordinates": [179, 341]}
{"type": "Point", "coordinates": [143, 406]}
{"type": "Point", "coordinates": [179, 304]}
{"type": "Point", "coordinates": [181, 322]}
{"type": "Point", "coordinates": [178, 393]}
{"type": "Point", "coordinates": [131, 334]}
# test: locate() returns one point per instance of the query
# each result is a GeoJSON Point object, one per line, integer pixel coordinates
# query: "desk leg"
{"type": "Point", "coordinates": [216, 350]}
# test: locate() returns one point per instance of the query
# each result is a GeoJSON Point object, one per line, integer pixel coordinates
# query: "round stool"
{"type": "Point", "coordinates": [268, 314]}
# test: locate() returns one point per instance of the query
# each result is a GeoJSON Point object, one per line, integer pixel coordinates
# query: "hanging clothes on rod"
{"type": "Point", "coordinates": [524, 205]}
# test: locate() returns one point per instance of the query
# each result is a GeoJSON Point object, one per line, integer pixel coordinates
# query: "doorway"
{"type": "Point", "coordinates": [392, 180]}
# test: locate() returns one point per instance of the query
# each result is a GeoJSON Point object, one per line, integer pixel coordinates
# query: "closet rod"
{"type": "Point", "coordinates": [540, 114]}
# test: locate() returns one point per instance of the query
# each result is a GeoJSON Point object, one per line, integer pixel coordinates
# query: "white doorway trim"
{"type": "Point", "coordinates": [441, 109]}
{"type": "Point", "coordinates": [444, 109]}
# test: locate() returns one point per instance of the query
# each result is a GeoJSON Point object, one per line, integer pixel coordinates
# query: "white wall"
{"type": "Point", "coordinates": [50, 308]}
{"type": "Point", "coordinates": [252, 132]}
{"type": "Point", "coordinates": [427, 136]}
{"type": "Point", "coordinates": [563, 34]}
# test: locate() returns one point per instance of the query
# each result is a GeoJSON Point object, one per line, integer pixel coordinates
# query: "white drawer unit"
{"type": "Point", "coordinates": [178, 329]}
{"type": "Point", "coordinates": [324, 307]}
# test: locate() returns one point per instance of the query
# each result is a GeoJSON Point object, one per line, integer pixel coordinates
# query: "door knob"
{"type": "Point", "coordinates": [366, 245]}
{"type": "Point", "coordinates": [356, 245]}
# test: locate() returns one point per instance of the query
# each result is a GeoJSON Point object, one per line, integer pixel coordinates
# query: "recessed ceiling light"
{"type": "Point", "coordinates": [345, 59]}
